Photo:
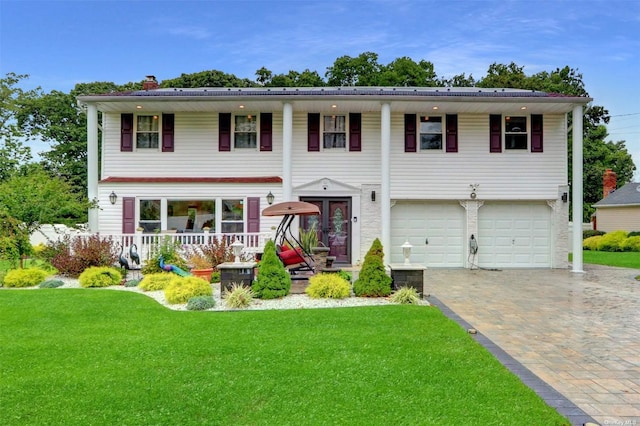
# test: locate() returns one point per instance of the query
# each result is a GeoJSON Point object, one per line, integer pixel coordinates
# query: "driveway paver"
{"type": "Point", "coordinates": [579, 332]}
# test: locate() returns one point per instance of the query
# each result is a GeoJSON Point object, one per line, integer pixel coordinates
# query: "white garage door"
{"type": "Point", "coordinates": [514, 235]}
{"type": "Point", "coordinates": [441, 224]}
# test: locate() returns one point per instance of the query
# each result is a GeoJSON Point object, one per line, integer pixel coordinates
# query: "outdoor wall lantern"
{"type": "Point", "coordinates": [373, 195]}
{"type": "Point", "coordinates": [270, 198]}
{"type": "Point", "coordinates": [565, 197]}
{"type": "Point", "coordinates": [113, 197]}
{"type": "Point", "coordinates": [237, 247]}
{"type": "Point", "coordinates": [406, 252]}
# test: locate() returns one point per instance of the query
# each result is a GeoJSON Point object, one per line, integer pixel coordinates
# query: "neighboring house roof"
{"type": "Point", "coordinates": [628, 195]}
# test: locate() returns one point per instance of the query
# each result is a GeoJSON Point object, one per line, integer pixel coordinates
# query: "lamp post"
{"type": "Point", "coordinates": [406, 252]}
{"type": "Point", "coordinates": [237, 247]}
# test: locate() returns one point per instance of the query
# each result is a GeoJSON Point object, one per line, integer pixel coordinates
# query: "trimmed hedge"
{"type": "Point", "coordinates": [181, 289]}
{"type": "Point", "coordinates": [158, 281]}
{"type": "Point", "coordinates": [100, 276]}
{"type": "Point", "coordinates": [613, 241]}
{"type": "Point", "coordinates": [330, 286]}
{"type": "Point", "coordinates": [24, 277]}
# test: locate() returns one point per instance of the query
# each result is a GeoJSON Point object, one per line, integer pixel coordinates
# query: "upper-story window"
{"type": "Point", "coordinates": [147, 131]}
{"type": "Point", "coordinates": [245, 131]}
{"type": "Point", "coordinates": [515, 132]}
{"type": "Point", "coordinates": [334, 131]}
{"type": "Point", "coordinates": [430, 132]}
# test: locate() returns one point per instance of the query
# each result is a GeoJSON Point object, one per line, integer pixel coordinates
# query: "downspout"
{"type": "Point", "coordinates": [577, 191]}
{"type": "Point", "coordinates": [92, 166]}
{"type": "Point", "coordinates": [385, 169]}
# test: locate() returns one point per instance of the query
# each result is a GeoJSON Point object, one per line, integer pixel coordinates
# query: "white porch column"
{"type": "Point", "coordinates": [576, 187]}
{"type": "Point", "coordinates": [287, 148]}
{"type": "Point", "coordinates": [385, 170]}
{"type": "Point", "coordinates": [92, 164]}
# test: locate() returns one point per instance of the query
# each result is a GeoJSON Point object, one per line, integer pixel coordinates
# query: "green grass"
{"type": "Point", "coordinates": [78, 357]}
{"type": "Point", "coordinates": [620, 259]}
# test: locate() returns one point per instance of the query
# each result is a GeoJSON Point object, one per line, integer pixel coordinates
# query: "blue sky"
{"type": "Point", "coordinates": [61, 43]}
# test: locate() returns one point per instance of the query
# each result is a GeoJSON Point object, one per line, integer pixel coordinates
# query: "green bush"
{"type": "Point", "coordinates": [157, 281]}
{"type": "Point", "coordinates": [632, 243]}
{"type": "Point", "coordinates": [201, 303]}
{"type": "Point", "coordinates": [633, 234]}
{"type": "Point", "coordinates": [238, 296]}
{"type": "Point", "coordinates": [181, 289]}
{"type": "Point", "coordinates": [170, 251]}
{"type": "Point", "coordinates": [587, 233]}
{"type": "Point", "coordinates": [71, 256]}
{"type": "Point", "coordinates": [51, 284]}
{"type": "Point", "coordinates": [591, 243]}
{"type": "Point", "coordinates": [24, 277]}
{"type": "Point", "coordinates": [131, 283]}
{"type": "Point", "coordinates": [346, 275]}
{"type": "Point", "coordinates": [215, 277]}
{"type": "Point", "coordinates": [611, 241]}
{"type": "Point", "coordinates": [273, 280]}
{"type": "Point", "coordinates": [405, 296]}
{"type": "Point", "coordinates": [330, 286]}
{"type": "Point", "coordinates": [100, 276]}
{"type": "Point", "coordinates": [373, 281]}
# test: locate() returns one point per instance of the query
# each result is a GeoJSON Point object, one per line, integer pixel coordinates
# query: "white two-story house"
{"type": "Point", "coordinates": [432, 166]}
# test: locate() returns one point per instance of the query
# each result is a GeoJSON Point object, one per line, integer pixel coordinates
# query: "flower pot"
{"type": "Point", "coordinates": [205, 274]}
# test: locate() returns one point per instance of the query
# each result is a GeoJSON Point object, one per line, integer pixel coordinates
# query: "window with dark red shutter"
{"type": "Point", "coordinates": [126, 132]}
{"type": "Point", "coordinates": [313, 132]}
{"type": "Point", "coordinates": [168, 122]}
{"type": "Point", "coordinates": [224, 131]}
{"type": "Point", "coordinates": [536, 133]}
{"type": "Point", "coordinates": [495, 133]}
{"type": "Point", "coordinates": [452, 133]}
{"type": "Point", "coordinates": [266, 119]}
{"type": "Point", "coordinates": [410, 133]}
{"type": "Point", "coordinates": [355, 132]}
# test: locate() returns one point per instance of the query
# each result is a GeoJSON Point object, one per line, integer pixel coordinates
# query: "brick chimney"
{"type": "Point", "coordinates": [608, 182]}
{"type": "Point", "coordinates": [150, 83]}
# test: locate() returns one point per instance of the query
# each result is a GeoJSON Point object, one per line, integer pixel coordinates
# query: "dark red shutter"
{"type": "Point", "coordinates": [126, 132]}
{"type": "Point", "coordinates": [536, 133]}
{"type": "Point", "coordinates": [355, 131]}
{"type": "Point", "coordinates": [410, 133]}
{"type": "Point", "coordinates": [495, 133]}
{"type": "Point", "coordinates": [224, 132]}
{"type": "Point", "coordinates": [128, 215]}
{"type": "Point", "coordinates": [253, 214]}
{"type": "Point", "coordinates": [168, 123]}
{"type": "Point", "coordinates": [452, 133]}
{"type": "Point", "coordinates": [313, 132]}
{"type": "Point", "coordinates": [266, 124]}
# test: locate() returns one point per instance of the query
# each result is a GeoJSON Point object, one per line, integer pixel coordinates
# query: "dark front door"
{"type": "Point", "coordinates": [333, 225]}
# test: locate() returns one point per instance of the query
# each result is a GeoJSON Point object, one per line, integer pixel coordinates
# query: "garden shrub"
{"type": "Point", "coordinates": [158, 281]}
{"type": "Point", "coordinates": [238, 296]}
{"type": "Point", "coordinates": [587, 233]}
{"type": "Point", "coordinates": [181, 289]}
{"type": "Point", "coordinates": [405, 296]}
{"type": "Point", "coordinates": [611, 241]}
{"type": "Point", "coordinates": [71, 256]}
{"type": "Point", "coordinates": [273, 279]}
{"type": "Point", "coordinates": [218, 251]}
{"type": "Point", "coordinates": [373, 281]}
{"type": "Point", "coordinates": [201, 303]}
{"type": "Point", "coordinates": [591, 243]}
{"type": "Point", "coordinates": [24, 277]}
{"type": "Point", "coordinates": [330, 286]}
{"type": "Point", "coordinates": [51, 284]}
{"type": "Point", "coordinates": [170, 251]}
{"type": "Point", "coordinates": [633, 234]}
{"type": "Point", "coordinates": [100, 276]}
{"type": "Point", "coordinates": [346, 275]}
{"type": "Point", "coordinates": [14, 239]}
{"type": "Point", "coordinates": [631, 243]}
{"type": "Point", "coordinates": [132, 283]}
{"type": "Point", "coordinates": [215, 277]}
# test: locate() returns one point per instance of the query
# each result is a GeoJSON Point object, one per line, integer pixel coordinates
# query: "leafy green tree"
{"type": "Point", "coordinates": [212, 78]}
{"type": "Point", "coordinates": [35, 197]}
{"type": "Point", "coordinates": [362, 70]}
{"type": "Point", "coordinates": [373, 281]}
{"type": "Point", "coordinates": [13, 152]}
{"type": "Point", "coordinates": [14, 239]}
{"type": "Point", "coordinates": [406, 72]}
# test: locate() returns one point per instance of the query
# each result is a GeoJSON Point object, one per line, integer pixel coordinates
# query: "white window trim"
{"type": "Point", "coordinates": [233, 131]}
{"type": "Point", "coordinates": [504, 133]}
{"type": "Point", "coordinates": [346, 133]}
{"type": "Point", "coordinates": [135, 131]}
{"type": "Point", "coordinates": [443, 133]}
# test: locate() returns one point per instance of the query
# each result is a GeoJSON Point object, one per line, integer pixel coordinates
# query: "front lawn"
{"type": "Point", "coordinates": [77, 357]}
{"type": "Point", "coordinates": [627, 259]}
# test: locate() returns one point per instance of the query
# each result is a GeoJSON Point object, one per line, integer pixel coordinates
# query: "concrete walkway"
{"type": "Point", "coordinates": [580, 333]}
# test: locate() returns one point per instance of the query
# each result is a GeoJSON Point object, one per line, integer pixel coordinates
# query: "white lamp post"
{"type": "Point", "coordinates": [406, 252]}
{"type": "Point", "coordinates": [237, 247]}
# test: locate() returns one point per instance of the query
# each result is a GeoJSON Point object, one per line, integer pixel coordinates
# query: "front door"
{"type": "Point", "coordinates": [333, 225]}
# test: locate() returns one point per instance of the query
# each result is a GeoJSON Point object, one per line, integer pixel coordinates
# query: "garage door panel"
{"type": "Point", "coordinates": [442, 224]}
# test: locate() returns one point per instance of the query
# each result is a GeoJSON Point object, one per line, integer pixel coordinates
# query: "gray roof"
{"type": "Point", "coordinates": [628, 195]}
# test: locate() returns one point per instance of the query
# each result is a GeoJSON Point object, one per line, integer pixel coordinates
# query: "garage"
{"type": "Point", "coordinates": [514, 235]}
{"type": "Point", "coordinates": [439, 224]}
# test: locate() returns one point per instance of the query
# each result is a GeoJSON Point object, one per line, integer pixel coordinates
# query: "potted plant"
{"type": "Point", "coordinates": [201, 266]}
